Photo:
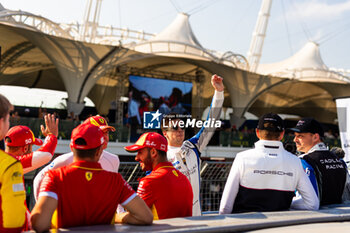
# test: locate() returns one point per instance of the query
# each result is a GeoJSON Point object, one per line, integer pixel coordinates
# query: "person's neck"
{"type": "Point", "coordinates": [161, 160]}
{"type": "Point", "coordinates": [175, 145]}
{"type": "Point", "coordinates": [312, 148]}
{"type": "Point", "coordinates": [77, 159]}
{"type": "Point", "coordinates": [14, 152]}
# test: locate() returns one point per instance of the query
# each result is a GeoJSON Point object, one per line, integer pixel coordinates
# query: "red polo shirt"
{"type": "Point", "coordinates": [86, 194]}
{"type": "Point", "coordinates": [167, 192]}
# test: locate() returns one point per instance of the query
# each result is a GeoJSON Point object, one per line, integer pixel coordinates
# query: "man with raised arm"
{"type": "Point", "coordinates": [19, 141]}
{"type": "Point", "coordinates": [185, 155]}
{"type": "Point", "coordinates": [74, 192]}
{"type": "Point", "coordinates": [108, 161]}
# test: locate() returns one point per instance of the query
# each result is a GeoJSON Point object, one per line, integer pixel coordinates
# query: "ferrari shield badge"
{"type": "Point", "coordinates": [88, 176]}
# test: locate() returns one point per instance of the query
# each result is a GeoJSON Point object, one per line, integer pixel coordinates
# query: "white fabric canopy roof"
{"type": "Point", "coordinates": [176, 40]}
{"type": "Point", "coordinates": [179, 31]}
{"type": "Point", "coordinates": [306, 64]}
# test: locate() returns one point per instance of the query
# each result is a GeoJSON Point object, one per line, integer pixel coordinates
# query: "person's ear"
{"type": "Point", "coordinates": [99, 153]}
{"type": "Point", "coordinates": [257, 133]}
{"type": "Point", "coordinates": [316, 137]}
{"type": "Point", "coordinates": [153, 152]}
{"type": "Point", "coordinates": [25, 149]}
{"type": "Point", "coordinates": [281, 135]}
{"type": "Point", "coordinates": [164, 133]}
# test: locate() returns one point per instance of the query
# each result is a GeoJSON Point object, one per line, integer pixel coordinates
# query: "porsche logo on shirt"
{"type": "Point", "coordinates": [88, 176]}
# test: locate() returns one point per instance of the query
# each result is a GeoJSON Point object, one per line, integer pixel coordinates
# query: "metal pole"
{"type": "Point", "coordinates": [256, 45]}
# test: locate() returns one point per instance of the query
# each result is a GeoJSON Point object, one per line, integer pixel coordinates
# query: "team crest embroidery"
{"type": "Point", "coordinates": [175, 173]}
{"type": "Point", "coordinates": [16, 176]}
{"type": "Point", "coordinates": [88, 176]}
{"type": "Point", "coordinates": [101, 120]}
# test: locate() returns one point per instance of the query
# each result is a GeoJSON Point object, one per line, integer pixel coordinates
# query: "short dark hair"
{"type": "Point", "coordinates": [339, 152]}
{"type": "Point", "coordinates": [5, 106]}
{"type": "Point", "coordinates": [90, 153]}
{"type": "Point", "coordinates": [160, 152]}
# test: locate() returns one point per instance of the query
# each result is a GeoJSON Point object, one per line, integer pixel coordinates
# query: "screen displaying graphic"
{"type": "Point", "coordinates": [150, 94]}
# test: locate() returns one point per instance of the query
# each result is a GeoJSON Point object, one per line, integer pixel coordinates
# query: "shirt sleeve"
{"type": "Point", "coordinates": [26, 160]}
{"type": "Point", "coordinates": [310, 172]}
{"type": "Point", "coordinates": [346, 192]}
{"type": "Point", "coordinates": [48, 186]}
{"type": "Point", "coordinates": [127, 193]}
{"type": "Point", "coordinates": [109, 162]}
{"type": "Point", "coordinates": [40, 157]}
{"type": "Point", "coordinates": [60, 161]}
{"type": "Point", "coordinates": [231, 188]}
{"type": "Point", "coordinates": [145, 192]}
{"type": "Point", "coordinates": [202, 138]}
{"type": "Point", "coordinates": [12, 198]}
{"type": "Point", "coordinates": [308, 199]}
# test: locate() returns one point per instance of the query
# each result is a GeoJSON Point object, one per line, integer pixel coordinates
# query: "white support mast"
{"type": "Point", "coordinates": [256, 45]}
{"type": "Point", "coordinates": [91, 19]}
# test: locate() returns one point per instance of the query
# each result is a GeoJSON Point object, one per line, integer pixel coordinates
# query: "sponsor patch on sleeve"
{"type": "Point", "coordinates": [18, 187]}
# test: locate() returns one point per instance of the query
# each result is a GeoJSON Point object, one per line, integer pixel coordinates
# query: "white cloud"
{"type": "Point", "coordinates": [316, 10]}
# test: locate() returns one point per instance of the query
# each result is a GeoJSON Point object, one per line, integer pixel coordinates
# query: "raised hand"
{"type": "Point", "coordinates": [216, 82]}
{"type": "Point", "coordinates": [51, 125]}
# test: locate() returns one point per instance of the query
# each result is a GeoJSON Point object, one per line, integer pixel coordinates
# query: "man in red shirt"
{"type": "Point", "coordinates": [108, 161]}
{"type": "Point", "coordinates": [160, 189]}
{"type": "Point", "coordinates": [74, 192]}
{"type": "Point", "coordinates": [20, 139]}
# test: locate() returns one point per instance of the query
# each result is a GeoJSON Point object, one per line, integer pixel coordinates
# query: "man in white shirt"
{"type": "Point", "coordinates": [265, 178]}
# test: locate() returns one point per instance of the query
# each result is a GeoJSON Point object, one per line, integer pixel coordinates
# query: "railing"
{"type": "Point", "coordinates": [213, 179]}
{"type": "Point", "coordinates": [35, 22]}
{"type": "Point", "coordinates": [108, 34]}
{"type": "Point", "coordinates": [105, 34]}
{"type": "Point", "coordinates": [173, 47]}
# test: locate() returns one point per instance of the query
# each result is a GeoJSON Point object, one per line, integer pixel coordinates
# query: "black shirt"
{"type": "Point", "coordinates": [330, 174]}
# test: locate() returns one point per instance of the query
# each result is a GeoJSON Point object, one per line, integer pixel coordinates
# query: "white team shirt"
{"type": "Point", "coordinates": [187, 161]}
{"type": "Point", "coordinates": [268, 167]}
{"type": "Point", "coordinates": [109, 162]}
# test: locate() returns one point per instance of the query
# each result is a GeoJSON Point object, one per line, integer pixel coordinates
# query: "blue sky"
{"type": "Point", "coordinates": [223, 25]}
